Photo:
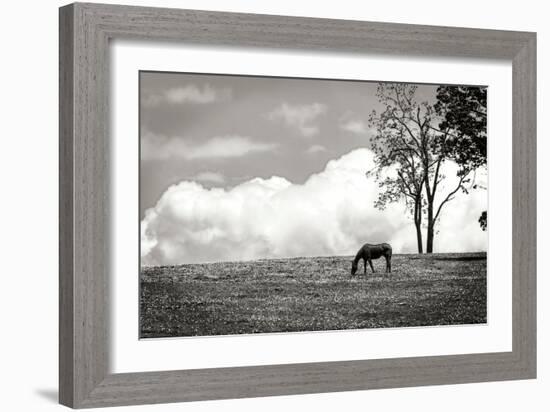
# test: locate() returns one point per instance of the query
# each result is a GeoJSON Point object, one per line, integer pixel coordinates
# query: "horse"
{"type": "Point", "coordinates": [369, 252]}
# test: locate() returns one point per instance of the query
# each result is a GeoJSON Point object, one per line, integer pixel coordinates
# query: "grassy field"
{"type": "Point", "coordinates": [308, 294]}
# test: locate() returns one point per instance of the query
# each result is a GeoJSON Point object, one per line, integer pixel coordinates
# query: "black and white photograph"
{"type": "Point", "coordinates": [273, 204]}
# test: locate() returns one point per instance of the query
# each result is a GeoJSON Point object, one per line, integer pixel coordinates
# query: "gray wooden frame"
{"type": "Point", "coordinates": [85, 31]}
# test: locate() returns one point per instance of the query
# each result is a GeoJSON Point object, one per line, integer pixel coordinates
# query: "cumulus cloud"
{"type": "Point", "coordinates": [332, 213]}
{"type": "Point", "coordinates": [155, 146]}
{"type": "Point", "coordinates": [300, 118]}
{"type": "Point", "coordinates": [190, 93]}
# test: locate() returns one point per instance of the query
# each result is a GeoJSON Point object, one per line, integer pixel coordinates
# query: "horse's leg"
{"type": "Point", "coordinates": [388, 264]}
{"type": "Point", "coordinates": [372, 267]}
{"type": "Point", "coordinates": [365, 263]}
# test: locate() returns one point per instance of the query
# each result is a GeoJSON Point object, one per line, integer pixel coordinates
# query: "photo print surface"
{"type": "Point", "coordinates": [271, 205]}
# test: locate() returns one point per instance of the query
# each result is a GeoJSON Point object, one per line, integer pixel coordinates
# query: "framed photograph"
{"type": "Point", "coordinates": [257, 205]}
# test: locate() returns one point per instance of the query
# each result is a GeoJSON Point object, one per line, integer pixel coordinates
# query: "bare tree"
{"type": "Point", "coordinates": [409, 141]}
{"type": "Point", "coordinates": [407, 180]}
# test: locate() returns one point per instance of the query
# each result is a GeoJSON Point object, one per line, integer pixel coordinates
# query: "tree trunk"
{"type": "Point", "coordinates": [418, 225]}
{"type": "Point", "coordinates": [430, 231]}
{"type": "Point", "coordinates": [419, 237]}
{"type": "Point", "coordinates": [430, 239]}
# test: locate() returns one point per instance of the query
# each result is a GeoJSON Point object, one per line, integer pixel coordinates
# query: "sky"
{"type": "Point", "coordinates": [240, 167]}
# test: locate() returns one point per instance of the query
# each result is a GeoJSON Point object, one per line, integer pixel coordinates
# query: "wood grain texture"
{"type": "Point", "coordinates": [524, 184]}
{"type": "Point", "coordinates": [83, 157]}
{"type": "Point", "coordinates": [85, 31]}
{"type": "Point", "coordinates": [66, 229]}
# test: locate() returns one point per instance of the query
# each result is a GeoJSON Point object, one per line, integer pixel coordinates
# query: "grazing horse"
{"type": "Point", "coordinates": [369, 252]}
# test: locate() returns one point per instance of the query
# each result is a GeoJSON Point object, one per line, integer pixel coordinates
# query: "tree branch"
{"type": "Point", "coordinates": [450, 196]}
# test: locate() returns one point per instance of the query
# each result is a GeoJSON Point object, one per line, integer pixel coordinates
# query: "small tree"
{"type": "Point", "coordinates": [409, 140]}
